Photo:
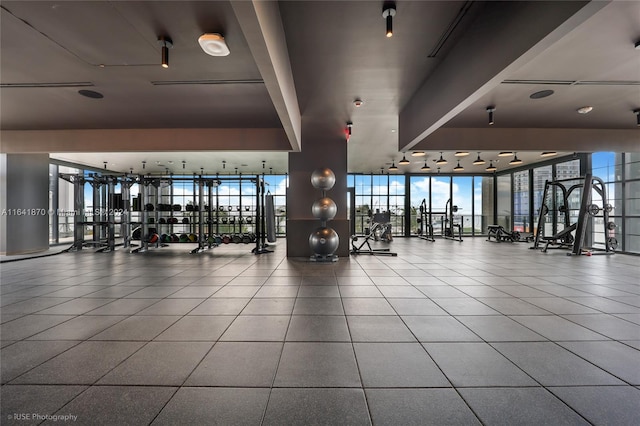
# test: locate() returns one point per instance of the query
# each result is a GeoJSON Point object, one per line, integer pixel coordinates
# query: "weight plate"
{"type": "Point", "coordinates": [612, 243]}
{"type": "Point", "coordinates": [611, 226]}
{"type": "Point", "coordinates": [608, 208]}
{"type": "Point", "coordinates": [593, 209]}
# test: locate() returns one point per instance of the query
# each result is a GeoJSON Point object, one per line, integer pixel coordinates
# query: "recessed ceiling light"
{"type": "Point", "coordinates": [358, 103]}
{"type": "Point", "coordinates": [213, 44]}
{"type": "Point", "coordinates": [393, 130]}
{"type": "Point", "coordinates": [585, 110]}
{"type": "Point", "coordinates": [541, 94]}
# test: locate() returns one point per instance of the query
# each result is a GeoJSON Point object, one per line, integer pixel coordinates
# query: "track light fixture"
{"type": "Point", "coordinates": [458, 168]}
{"type": "Point", "coordinates": [491, 167]}
{"type": "Point", "coordinates": [637, 113]}
{"type": "Point", "coordinates": [490, 110]}
{"type": "Point", "coordinates": [461, 153]}
{"type": "Point", "coordinates": [515, 160]}
{"type": "Point", "coordinates": [144, 165]}
{"type": "Point", "coordinates": [548, 154]}
{"type": "Point", "coordinates": [166, 44]}
{"type": "Point", "coordinates": [441, 161]}
{"type": "Point", "coordinates": [392, 167]}
{"type": "Point", "coordinates": [263, 164]}
{"type": "Point", "coordinates": [349, 127]}
{"type": "Point", "coordinates": [426, 167]}
{"type": "Point", "coordinates": [388, 12]}
{"type": "Point", "coordinates": [224, 164]}
{"type": "Point", "coordinates": [404, 161]}
{"type": "Point", "coordinates": [184, 164]}
{"type": "Point", "coordinates": [478, 161]}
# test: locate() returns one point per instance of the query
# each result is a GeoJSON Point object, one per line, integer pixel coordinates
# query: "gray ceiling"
{"type": "Point", "coordinates": [301, 64]}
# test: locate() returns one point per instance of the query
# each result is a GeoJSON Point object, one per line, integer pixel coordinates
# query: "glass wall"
{"type": "Point", "coordinates": [462, 200]}
{"type": "Point", "coordinates": [504, 201]}
{"type": "Point", "coordinates": [521, 210]}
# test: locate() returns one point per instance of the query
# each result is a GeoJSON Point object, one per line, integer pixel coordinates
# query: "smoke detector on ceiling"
{"type": "Point", "coordinates": [213, 44]}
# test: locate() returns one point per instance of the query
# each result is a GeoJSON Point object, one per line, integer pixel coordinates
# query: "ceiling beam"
{"type": "Point", "coordinates": [262, 27]}
{"type": "Point", "coordinates": [532, 139]}
{"type": "Point", "coordinates": [503, 37]}
{"type": "Point", "coordinates": [152, 140]}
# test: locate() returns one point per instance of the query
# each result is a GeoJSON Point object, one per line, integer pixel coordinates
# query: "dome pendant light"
{"type": "Point", "coordinates": [404, 161]}
{"type": "Point", "coordinates": [388, 12]}
{"type": "Point", "coordinates": [491, 167]}
{"type": "Point", "coordinates": [392, 167]}
{"type": "Point", "coordinates": [441, 161]}
{"type": "Point", "coordinates": [548, 154]}
{"type": "Point", "coordinates": [458, 168]}
{"type": "Point", "coordinates": [166, 44]}
{"type": "Point", "coordinates": [461, 153]}
{"type": "Point", "coordinates": [426, 167]}
{"type": "Point", "coordinates": [479, 161]}
{"type": "Point", "coordinates": [515, 160]}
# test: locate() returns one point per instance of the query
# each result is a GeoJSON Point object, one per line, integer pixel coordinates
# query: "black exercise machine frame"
{"type": "Point", "coordinates": [446, 219]}
{"type": "Point", "coordinates": [564, 238]}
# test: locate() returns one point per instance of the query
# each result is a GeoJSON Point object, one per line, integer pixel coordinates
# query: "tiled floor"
{"type": "Point", "coordinates": [445, 333]}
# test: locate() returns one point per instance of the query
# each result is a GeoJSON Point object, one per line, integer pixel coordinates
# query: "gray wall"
{"type": "Point", "coordinates": [24, 188]}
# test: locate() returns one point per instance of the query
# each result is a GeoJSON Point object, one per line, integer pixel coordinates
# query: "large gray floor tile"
{"type": "Point", "coordinates": [397, 365]}
{"type": "Point", "coordinates": [367, 306]}
{"type": "Point", "coordinates": [603, 405]}
{"type": "Point", "coordinates": [552, 365]}
{"type": "Point", "coordinates": [221, 306]}
{"type": "Point", "coordinates": [23, 356]}
{"type": "Point", "coordinates": [32, 305]}
{"type": "Point", "coordinates": [269, 306]}
{"type": "Point", "coordinates": [419, 407]}
{"type": "Point", "coordinates": [322, 364]}
{"type": "Point", "coordinates": [318, 328]}
{"type": "Point", "coordinates": [499, 329]}
{"type": "Point", "coordinates": [123, 307]}
{"type": "Point", "coordinates": [439, 329]}
{"type": "Point", "coordinates": [214, 406]}
{"type": "Point", "coordinates": [384, 328]}
{"type": "Point", "coordinates": [195, 292]}
{"type": "Point", "coordinates": [171, 307]}
{"type": "Point", "coordinates": [415, 307]}
{"type": "Point", "coordinates": [238, 364]}
{"type": "Point", "coordinates": [519, 406]}
{"type": "Point", "coordinates": [271, 291]}
{"type": "Point", "coordinates": [607, 325]}
{"type": "Point", "coordinates": [159, 363]}
{"type": "Point", "coordinates": [407, 291]}
{"type": "Point", "coordinates": [318, 291]}
{"type": "Point", "coordinates": [82, 364]}
{"type": "Point", "coordinates": [29, 325]}
{"type": "Point", "coordinates": [464, 306]}
{"type": "Point", "coordinates": [27, 400]}
{"type": "Point", "coordinates": [614, 357]}
{"type": "Point", "coordinates": [76, 307]}
{"type": "Point", "coordinates": [359, 291]}
{"type": "Point", "coordinates": [476, 364]}
{"type": "Point", "coordinates": [248, 328]}
{"type": "Point", "coordinates": [118, 405]}
{"type": "Point", "coordinates": [236, 291]}
{"type": "Point", "coordinates": [318, 306]}
{"type": "Point", "coordinates": [139, 327]}
{"type": "Point", "coordinates": [196, 328]}
{"type": "Point", "coordinates": [512, 306]}
{"type": "Point", "coordinates": [317, 407]}
{"type": "Point", "coordinates": [557, 328]}
{"type": "Point", "coordinates": [79, 328]}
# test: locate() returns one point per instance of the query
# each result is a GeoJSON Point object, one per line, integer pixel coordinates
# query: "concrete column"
{"type": "Point", "coordinates": [24, 203]}
{"type": "Point", "coordinates": [321, 147]}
